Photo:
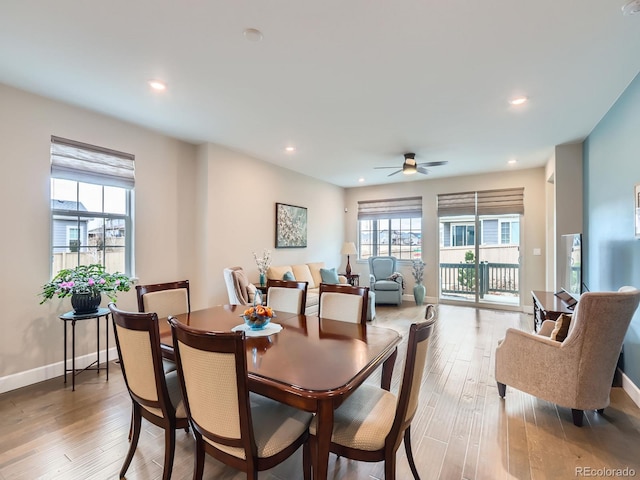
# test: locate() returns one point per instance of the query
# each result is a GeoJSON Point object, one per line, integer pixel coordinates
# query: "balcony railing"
{"type": "Point", "coordinates": [494, 278]}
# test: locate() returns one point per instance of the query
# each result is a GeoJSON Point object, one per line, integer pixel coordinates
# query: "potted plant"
{"type": "Point", "coordinates": [85, 284]}
{"type": "Point", "coordinates": [419, 289]}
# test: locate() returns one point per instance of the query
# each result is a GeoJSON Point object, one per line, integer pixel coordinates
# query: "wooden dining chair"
{"type": "Point", "coordinates": [245, 431]}
{"type": "Point", "coordinates": [343, 302]}
{"type": "Point", "coordinates": [287, 296]}
{"type": "Point", "coordinates": [155, 395]}
{"type": "Point", "coordinates": [371, 423]}
{"type": "Point", "coordinates": [171, 298]}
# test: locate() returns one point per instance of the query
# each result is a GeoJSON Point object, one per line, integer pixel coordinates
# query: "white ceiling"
{"type": "Point", "coordinates": [351, 84]}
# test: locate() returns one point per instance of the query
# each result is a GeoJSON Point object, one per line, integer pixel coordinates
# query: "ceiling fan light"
{"type": "Point", "coordinates": [409, 169]}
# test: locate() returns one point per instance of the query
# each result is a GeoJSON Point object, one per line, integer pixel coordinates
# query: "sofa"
{"type": "Point", "coordinates": [310, 272]}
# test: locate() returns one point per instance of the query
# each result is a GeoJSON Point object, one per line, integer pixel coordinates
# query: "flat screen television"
{"type": "Point", "coordinates": [570, 260]}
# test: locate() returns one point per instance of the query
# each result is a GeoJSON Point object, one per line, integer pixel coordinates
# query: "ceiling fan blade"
{"type": "Point", "coordinates": [422, 170]}
{"type": "Point", "coordinates": [432, 164]}
{"type": "Point", "coordinates": [397, 171]}
{"type": "Point", "coordinates": [383, 167]}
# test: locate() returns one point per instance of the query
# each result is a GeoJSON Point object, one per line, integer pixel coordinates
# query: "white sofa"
{"type": "Point", "coordinates": [310, 272]}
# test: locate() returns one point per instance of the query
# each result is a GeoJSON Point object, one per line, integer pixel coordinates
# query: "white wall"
{"type": "Point", "coordinates": [532, 227]}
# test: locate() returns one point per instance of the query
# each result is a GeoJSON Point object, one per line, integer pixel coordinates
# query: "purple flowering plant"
{"type": "Point", "coordinates": [91, 279]}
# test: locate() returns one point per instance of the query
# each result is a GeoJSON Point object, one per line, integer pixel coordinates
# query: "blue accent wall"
{"type": "Point", "coordinates": [611, 169]}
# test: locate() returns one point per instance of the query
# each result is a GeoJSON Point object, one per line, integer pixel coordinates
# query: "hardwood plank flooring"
{"type": "Point", "coordinates": [462, 430]}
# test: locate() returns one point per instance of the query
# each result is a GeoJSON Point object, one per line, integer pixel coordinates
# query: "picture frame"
{"type": "Point", "coordinates": [291, 226]}
{"type": "Point", "coordinates": [636, 199]}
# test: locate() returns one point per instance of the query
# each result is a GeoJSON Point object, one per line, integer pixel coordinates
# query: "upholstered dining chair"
{"type": "Point", "coordinates": [385, 280]}
{"type": "Point", "coordinates": [343, 302]}
{"type": "Point", "coordinates": [372, 422]}
{"type": "Point", "coordinates": [576, 373]}
{"type": "Point", "coordinates": [287, 296]}
{"type": "Point", "coordinates": [155, 395]}
{"type": "Point", "coordinates": [239, 289]}
{"type": "Point", "coordinates": [171, 298]}
{"type": "Point", "coordinates": [245, 431]}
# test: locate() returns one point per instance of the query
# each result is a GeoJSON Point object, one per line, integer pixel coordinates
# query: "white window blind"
{"type": "Point", "coordinates": [82, 162]}
{"type": "Point", "coordinates": [410, 207]}
{"type": "Point", "coordinates": [486, 202]}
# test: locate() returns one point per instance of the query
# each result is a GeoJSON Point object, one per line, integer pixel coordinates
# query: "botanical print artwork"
{"type": "Point", "coordinates": [291, 226]}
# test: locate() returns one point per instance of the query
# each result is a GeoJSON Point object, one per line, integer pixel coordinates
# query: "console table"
{"type": "Point", "coordinates": [352, 278]}
{"type": "Point", "coordinates": [71, 317]}
{"type": "Point", "coordinates": [547, 306]}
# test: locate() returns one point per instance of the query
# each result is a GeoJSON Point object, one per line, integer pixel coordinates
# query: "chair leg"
{"type": "Point", "coordinates": [577, 417]}
{"type": "Point", "coordinates": [407, 448]}
{"type": "Point", "coordinates": [131, 426]}
{"type": "Point", "coordinates": [169, 449]}
{"type": "Point", "coordinates": [502, 389]}
{"type": "Point", "coordinates": [198, 465]}
{"type": "Point", "coordinates": [600, 411]}
{"type": "Point", "coordinates": [306, 460]}
{"type": "Point", "coordinates": [390, 466]}
{"type": "Point", "coordinates": [136, 421]}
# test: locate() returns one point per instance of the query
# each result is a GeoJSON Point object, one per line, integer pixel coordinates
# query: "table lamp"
{"type": "Point", "coordinates": [348, 248]}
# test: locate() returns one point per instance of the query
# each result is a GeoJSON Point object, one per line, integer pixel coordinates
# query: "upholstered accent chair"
{"type": "Point", "coordinates": [240, 290]}
{"type": "Point", "coordinates": [155, 395]}
{"type": "Point", "coordinates": [385, 280]}
{"type": "Point", "coordinates": [576, 373]}
{"type": "Point", "coordinates": [171, 298]}
{"type": "Point", "coordinates": [287, 296]}
{"type": "Point", "coordinates": [344, 302]}
{"type": "Point", "coordinates": [372, 422]}
{"type": "Point", "coordinates": [245, 431]}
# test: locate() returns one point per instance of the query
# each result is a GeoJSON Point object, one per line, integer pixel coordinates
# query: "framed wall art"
{"type": "Point", "coordinates": [636, 201]}
{"type": "Point", "coordinates": [291, 226]}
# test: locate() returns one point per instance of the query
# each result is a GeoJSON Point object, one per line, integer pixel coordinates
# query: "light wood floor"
{"type": "Point", "coordinates": [463, 429]}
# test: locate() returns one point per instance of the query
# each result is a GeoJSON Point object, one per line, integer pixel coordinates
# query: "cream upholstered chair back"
{"type": "Point", "coordinates": [343, 302]}
{"type": "Point", "coordinates": [287, 296]}
{"type": "Point", "coordinates": [171, 298]}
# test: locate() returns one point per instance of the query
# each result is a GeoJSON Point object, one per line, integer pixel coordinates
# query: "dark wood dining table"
{"type": "Point", "coordinates": [313, 363]}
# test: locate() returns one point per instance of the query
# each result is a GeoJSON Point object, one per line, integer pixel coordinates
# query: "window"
{"type": "Point", "coordinates": [510, 232]}
{"type": "Point", "coordinates": [91, 196]}
{"type": "Point", "coordinates": [463, 235]}
{"type": "Point", "coordinates": [390, 227]}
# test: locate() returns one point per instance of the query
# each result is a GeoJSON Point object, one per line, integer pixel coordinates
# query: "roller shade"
{"type": "Point", "coordinates": [410, 207]}
{"type": "Point", "coordinates": [486, 202]}
{"type": "Point", "coordinates": [501, 202]}
{"type": "Point", "coordinates": [82, 162]}
{"type": "Point", "coordinates": [451, 204]}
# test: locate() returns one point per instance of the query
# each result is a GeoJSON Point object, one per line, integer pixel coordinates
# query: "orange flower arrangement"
{"type": "Point", "coordinates": [258, 316]}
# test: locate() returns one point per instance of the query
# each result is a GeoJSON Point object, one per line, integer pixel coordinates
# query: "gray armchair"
{"type": "Point", "coordinates": [577, 372]}
{"type": "Point", "coordinates": [385, 281]}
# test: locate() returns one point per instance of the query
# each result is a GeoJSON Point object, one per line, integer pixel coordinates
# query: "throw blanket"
{"type": "Point", "coordinates": [396, 275]}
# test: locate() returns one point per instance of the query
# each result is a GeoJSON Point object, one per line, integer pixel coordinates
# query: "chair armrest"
{"type": "Point", "coordinates": [372, 281]}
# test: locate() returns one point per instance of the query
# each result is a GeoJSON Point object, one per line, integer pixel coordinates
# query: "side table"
{"type": "Point", "coordinates": [71, 317]}
{"type": "Point", "coordinates": [352, 278]}
{"type": "Point", "coordinates": [263, 291]}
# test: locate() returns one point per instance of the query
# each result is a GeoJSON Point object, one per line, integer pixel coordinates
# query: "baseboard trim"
{"type": "Point", "coordinates": [631, 388]}
{"type": "Point", "coordinates": [46, 372]}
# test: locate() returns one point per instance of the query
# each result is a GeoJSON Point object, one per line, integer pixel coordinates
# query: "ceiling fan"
{"type": "Point", "coordinates": [409, 167]}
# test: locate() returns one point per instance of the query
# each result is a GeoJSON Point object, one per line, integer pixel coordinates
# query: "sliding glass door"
{"type": "Point", "coordinates": [480, 247]}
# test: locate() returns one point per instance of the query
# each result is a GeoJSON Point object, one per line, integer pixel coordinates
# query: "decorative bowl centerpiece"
{"type": "Point", "coordinates": [258, 316]}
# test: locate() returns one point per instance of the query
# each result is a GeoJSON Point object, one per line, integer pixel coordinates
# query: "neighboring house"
{"type": "Point", "coordinates": [68, 232]}
{"type": "Point", "coordinates": [502, 230]}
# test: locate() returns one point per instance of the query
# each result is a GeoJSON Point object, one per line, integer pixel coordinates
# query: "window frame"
{"type": "Point", "coordinates": [376, 246]}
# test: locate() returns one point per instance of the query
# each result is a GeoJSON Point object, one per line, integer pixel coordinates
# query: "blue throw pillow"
{"type": "Point", "coordinates": [329, 275]}
{"type": "Point", "coordinates": [288, 276]}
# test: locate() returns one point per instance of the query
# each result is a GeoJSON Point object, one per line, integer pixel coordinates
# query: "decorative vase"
{"type": "Point", "coordinates": [84, 303]}
{"type": "Point", "coordinates": [263, 280]}
{"type": "Point", "coordinates": [419, 292]}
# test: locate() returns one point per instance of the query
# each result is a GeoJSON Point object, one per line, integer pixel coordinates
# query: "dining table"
{"type": "Point", "coordinates": [312, 363]}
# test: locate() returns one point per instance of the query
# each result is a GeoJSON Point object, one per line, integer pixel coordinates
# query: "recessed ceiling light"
{"type": "Point", "coordinates": [253, 34]}
{"type": "Point", "coordinates": [290, 149]}
{"type": "Point", "coordinates": [631, 8]}
{"type": "Point", "coordinates": [513, 161]}
{"type": "Point", "coordinates": [518, 100]}
{"type": "Point", "coordinates": [157, 85]}
{"type": "Point", "coordinates": [361, 179]}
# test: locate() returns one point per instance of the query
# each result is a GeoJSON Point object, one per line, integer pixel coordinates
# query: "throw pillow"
{"type": "Point", "coordinates": [288, 276]}
{"type": "Point", "coordinates": [251, 292]}
{"type": "Point", "coordinates": [561, 330]}
{"type": "Point", "coordinates": [329, 275]}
